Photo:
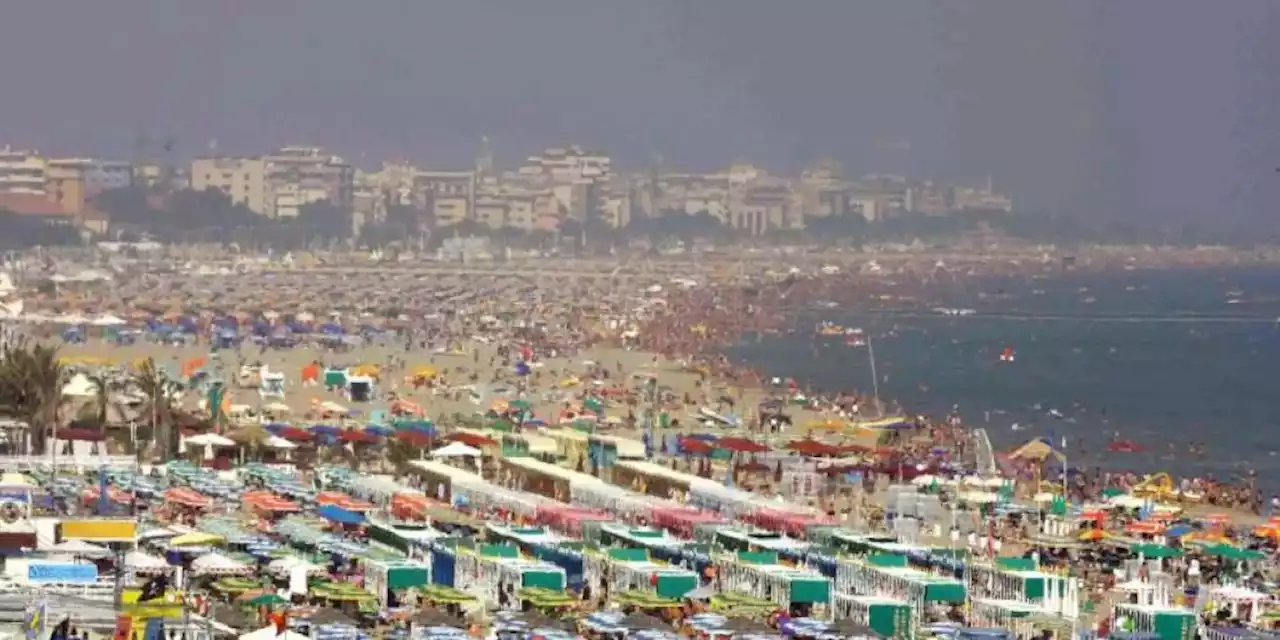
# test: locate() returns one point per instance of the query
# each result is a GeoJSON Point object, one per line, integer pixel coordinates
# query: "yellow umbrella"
{"type": "Point", "coordinates": [195, 539]}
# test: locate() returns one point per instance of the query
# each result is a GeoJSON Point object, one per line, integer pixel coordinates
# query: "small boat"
{"type": "Point", "coordinates": [829, 329]}
{"type": "Point", "coordinates": [855, 338]}
{"type": "Point", "coordinates": [1007, 355]}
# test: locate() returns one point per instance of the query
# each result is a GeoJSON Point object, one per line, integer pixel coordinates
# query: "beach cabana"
{"type": "Point", "coordinates": [888, 576]}
{"type": "Point", "coordinates": [1012, 581]}
{"type": "Point", "coordinates": [1169, 623]}
{"type": "Point", "coordinates": [385, 578]}
{"type": "Point", "coordinates": [888, 617]}
{"type": "Point", "coordinates": [632, 570]}
{"type": "Point", "coordinates": [759, 574]}
{"type": "Point", "coordinates": [484, 570]}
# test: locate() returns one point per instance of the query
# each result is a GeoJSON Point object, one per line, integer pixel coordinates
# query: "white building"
{"type": "Point", "coordinates": [22, 171]}
{"type": "Point", "coordinates": [277, 185]}
{"type": "Point", "coordinates": [98, 175]}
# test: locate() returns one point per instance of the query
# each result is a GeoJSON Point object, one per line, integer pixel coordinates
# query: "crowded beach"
{"type": "Point", "coordinates": [383, 454]}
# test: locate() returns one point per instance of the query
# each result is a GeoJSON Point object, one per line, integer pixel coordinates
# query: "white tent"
{"type": "Point", "coordinates": [276, 442]}
{"type": "Point", "coordinates": [266, 633]}
{"type": "Point", "coordinates": [71, 318]}
{"type": "Point", "coordinates": [16, 481]}
{"type": "Point", "coordinates": [276, 407]}
{"type": "Point", "coordinates": [289, 563]}
{"type": "Point", "coordinates": [80, 386]}
{"type": "Point", "coordinates": [217, 564]}
{"type": "Point", "coordinates": [80, 548]}
{"type": "Point", "coordinates": [138, 561]}
{"type": "Point", "coordinates": [210, 440]}
{"type": "Point", "coordinates": [108, 320]}
{"type": "Point", "coordinates": [455, 450]}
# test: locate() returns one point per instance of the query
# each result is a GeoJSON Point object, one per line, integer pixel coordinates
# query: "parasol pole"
{"type": "Point", "coordinates": [875, 379]}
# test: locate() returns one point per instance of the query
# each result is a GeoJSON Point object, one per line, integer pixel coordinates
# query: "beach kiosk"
{"type": "Point", "coordinates": [886, 616]}
{"type": "Point", "coordinates": [1170, 623]}
{"type": "Point", "coordinates": [758, 573]}
{"type": "Point", "coordinates": [383, 578]}
{"type": "Point", "coordinates": [632, 570]}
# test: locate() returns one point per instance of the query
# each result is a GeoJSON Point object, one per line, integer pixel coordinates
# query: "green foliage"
{"type": "Point", "coordinates": [31, 382]}
{"type": "Point", "coordinates": [19, 232]}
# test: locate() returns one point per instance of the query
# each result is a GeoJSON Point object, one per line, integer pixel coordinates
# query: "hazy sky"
{"type": "Point", "coordinates": [1151, 109]}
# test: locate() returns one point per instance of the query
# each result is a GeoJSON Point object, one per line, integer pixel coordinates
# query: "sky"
{"type": "Point", "coordinates": [1142, 111]}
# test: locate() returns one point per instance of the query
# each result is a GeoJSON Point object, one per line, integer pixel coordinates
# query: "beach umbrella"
{"type": "Point", "coordinates": [740, 445]}
{"type": "Point", "coordinates": [1092, 535]}
{"type": "Point", "coordinates": [196, 539]}
{"type": "Point", "coordinates": [235, 586]}
{"type": "Point", "coordinates": [442, 594]}
{"type": "Point", "coordinates": [351, 435]}
{"type": "Point", "coordinates": [1229, 552]}
{"type": "Point", "coordinates": [379, 430]}
{"type": "Point", "coordinates": [266, 600]}
{"type": "Point", "coordinates": [1156, 551]}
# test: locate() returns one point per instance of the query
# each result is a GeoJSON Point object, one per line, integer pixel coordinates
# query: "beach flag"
{"type": "Point", "coordinates": [124, 628]}
{"type": "Point", "coordinates": [33, 619]}
{"type": "Point", "coordinates": [154, 629]}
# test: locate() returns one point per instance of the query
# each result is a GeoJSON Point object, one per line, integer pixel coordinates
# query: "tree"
{"type": "Point", "coordinates": [21, 232]}
{"type": "Point", "coordinates": [830, 229]}
{"type": "Point", "coordinates": [159, 392]}
{"type": "Point", "coordinates": [31, 382]}
{"type": "Point", "coordinates": [324, 219]}
{"type": "Point", "coordinates": [104, 388]}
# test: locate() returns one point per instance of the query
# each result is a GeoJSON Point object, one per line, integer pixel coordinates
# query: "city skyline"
{"type": "Point", "coordinates": [548, 189]}
{"type": "Point", "coordinates": [1075, 107]}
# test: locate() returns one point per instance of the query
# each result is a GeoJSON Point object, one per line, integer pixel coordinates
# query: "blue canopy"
{"type": "Point", "coordinates": [340, 515]}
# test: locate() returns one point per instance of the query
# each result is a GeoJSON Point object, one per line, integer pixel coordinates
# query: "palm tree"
{"type": "Point", "coordinates": [104, 390]}
{"type": "Point", "coordinates": [158, 393]}
{"type": "Point", "coordinates": [31, 382]}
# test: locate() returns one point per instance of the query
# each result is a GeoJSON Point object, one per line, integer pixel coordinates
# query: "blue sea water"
{"type": "Point", "coordinates": [1163, 358]}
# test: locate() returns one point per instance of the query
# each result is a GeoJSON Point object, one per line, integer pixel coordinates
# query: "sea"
{"type": "Point", "coordinates": [1184, 363]}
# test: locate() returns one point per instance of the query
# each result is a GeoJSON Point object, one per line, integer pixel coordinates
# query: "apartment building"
{"type": "Point", "coordinates": [280, 184]}
{"type": "Point", "coordinates": [984, 198]}
{"type": "Point", "coordinates": [22, 171]}
{"type": "Point", "coordinates": [448, 196]}
{"type": "Point", "coordinates": [244, 180]}
{"type": "Point", "coordinates": [881, 196]}
{"type": "Point", "coordinates": [297, 176]}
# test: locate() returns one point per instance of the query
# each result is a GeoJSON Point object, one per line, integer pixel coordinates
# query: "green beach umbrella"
{"type": "Point", "coordinates": [267, 600]}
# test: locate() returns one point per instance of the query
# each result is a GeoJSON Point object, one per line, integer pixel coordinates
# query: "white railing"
{"type": "Point", "coordinates": [76, 462]}
{"type": "Point", "coordinates": [984, 457]}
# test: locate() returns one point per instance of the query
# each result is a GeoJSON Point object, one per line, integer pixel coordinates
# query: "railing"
{"type": "Point", "coordinates": [985, 458]}
{"type": "Point", "coordinates": [75, 462]}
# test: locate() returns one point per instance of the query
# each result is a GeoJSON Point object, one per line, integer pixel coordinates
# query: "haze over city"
{"type": "Point", "coordinates": [1149, 110]}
